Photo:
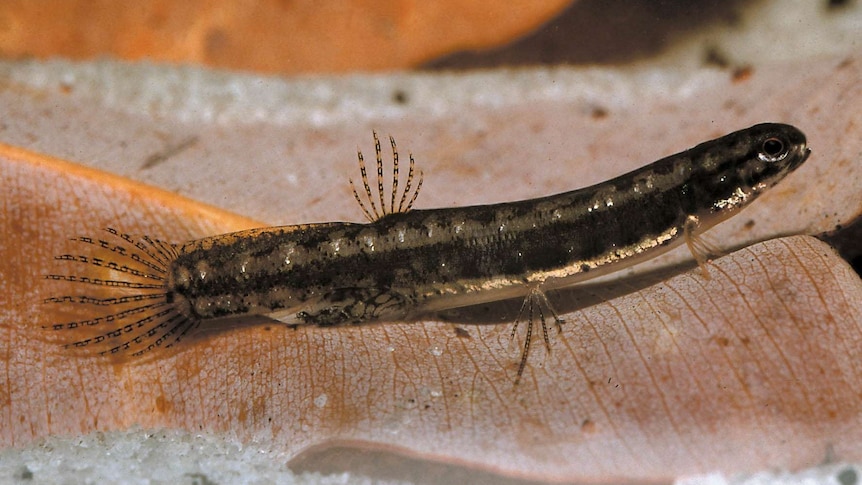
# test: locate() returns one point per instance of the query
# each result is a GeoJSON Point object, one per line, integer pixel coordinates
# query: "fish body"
{"type": "Point", "coordinates": [406, 261]}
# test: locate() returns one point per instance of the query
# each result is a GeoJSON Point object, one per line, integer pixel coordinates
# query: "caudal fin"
{"type": "Point", "coordinates": [115, 298]}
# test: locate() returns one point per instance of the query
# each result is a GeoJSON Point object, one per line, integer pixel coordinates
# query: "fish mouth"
{"type": "Point", "coordinates": [801, 157]}
{"type": "Point", "coordinates": [800, 150]}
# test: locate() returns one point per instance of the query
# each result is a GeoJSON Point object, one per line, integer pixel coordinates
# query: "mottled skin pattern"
{"type": "Point", "coordinates": [346, 273]}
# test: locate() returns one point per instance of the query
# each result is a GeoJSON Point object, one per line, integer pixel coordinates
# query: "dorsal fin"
{"type": "Point", "coordinates": [371, 212]}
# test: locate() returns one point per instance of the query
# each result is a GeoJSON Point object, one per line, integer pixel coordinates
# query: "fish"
{"type": "Point", "coordinates": [144, 294]}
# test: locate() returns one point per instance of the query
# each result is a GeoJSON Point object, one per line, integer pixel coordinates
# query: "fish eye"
{"type": "Point", "coordinates": [773, 149]}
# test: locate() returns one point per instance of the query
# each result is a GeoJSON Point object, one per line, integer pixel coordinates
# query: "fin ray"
{"type": "Point", "coordinates": [124, 307]}
{"type": "Point", "coordinates": [408, 195]}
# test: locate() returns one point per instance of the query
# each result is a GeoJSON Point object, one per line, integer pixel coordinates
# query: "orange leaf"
{"type": "Point", "coordinates": [267, 35]}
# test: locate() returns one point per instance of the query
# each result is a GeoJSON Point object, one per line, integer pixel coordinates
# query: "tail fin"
{"type": "Point", "coordinates": [120, 301]}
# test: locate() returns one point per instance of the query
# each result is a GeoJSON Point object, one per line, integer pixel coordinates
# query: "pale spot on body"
{"type": "Point", "coordinates": [183, 276]}
{"type": "Point", "coordinates": [202, 268]}
{"type": "Point", "coordinates": [737, 198]}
